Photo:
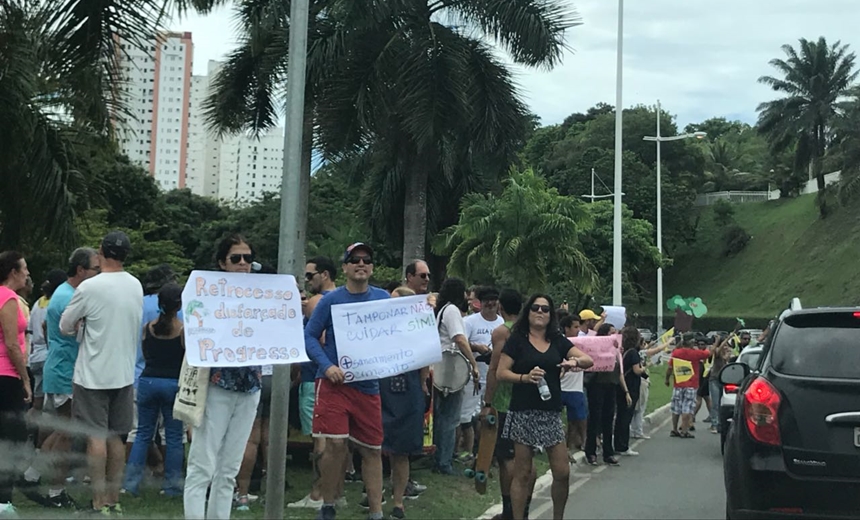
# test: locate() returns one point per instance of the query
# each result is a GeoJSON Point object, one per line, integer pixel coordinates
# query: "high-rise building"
{"type": "Point", "coordinates": [157, 90]}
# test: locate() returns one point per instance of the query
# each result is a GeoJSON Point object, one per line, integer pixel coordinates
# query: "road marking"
{"type": "Point", "coordinates": [599, 469]}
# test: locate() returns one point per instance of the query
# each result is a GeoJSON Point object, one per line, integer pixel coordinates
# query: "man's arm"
{"type": "Point", "coordinates": [313, 330]}
{"type": "Point", "coordinates": [75, 311]}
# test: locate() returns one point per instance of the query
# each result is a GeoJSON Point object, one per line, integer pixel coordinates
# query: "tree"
{"type": "Point", "coordinates": [847, 132]}
{"type": "Point", "coordinates": [518, 237]}
{"type": "Point", "coordinates": [816, 77]}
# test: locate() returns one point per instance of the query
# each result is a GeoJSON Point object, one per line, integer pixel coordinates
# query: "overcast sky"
{"type": "Point", "coordinates": [700, 58]}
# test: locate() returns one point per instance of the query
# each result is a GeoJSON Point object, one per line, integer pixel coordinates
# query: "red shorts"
{"type": "Point", "coordinates": [342, 412]}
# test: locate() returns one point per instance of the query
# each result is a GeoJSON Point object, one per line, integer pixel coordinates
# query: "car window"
{"type": "Point", "coordinates": [818, 345]}
{"type": "Point", "coordinates": [750, 359]}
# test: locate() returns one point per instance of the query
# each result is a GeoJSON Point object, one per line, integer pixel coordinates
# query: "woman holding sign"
{"type": "Point", "coordinates": [532, 360]}
{"type": "Point", "coordinates": [231, 407]}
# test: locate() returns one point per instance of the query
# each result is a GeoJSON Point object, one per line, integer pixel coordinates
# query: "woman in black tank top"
{"type": "Point", "coordinates": [163, 348]}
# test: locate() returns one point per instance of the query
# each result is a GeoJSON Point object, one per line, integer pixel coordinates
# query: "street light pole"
{"type": "Point", "coordinates": [659, 139]}
{"type": "Point", "coordinates": [616, 228]}
{"type": "Point", "coordinates": [291, 246]}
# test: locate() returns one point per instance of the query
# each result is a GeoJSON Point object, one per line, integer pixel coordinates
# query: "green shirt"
{"type": "Point", "coordinates": [502, 397]}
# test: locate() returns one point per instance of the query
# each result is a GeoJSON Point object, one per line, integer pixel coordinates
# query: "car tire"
{"type": "Point", "coordinates": [729, 515]}
{"type": "Point", "coordinates": [723, 439]}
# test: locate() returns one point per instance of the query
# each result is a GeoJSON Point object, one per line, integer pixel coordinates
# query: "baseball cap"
{"type": "Point", "coordinates": [588, 314]}
{"type": "Point", "coordinates": [355, 247]}
{"type": "Point", "coordinates": [116, 244]}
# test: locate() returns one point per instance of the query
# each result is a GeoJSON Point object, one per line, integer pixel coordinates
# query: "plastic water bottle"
{"type": "Point", "coordinates": [543, 388]}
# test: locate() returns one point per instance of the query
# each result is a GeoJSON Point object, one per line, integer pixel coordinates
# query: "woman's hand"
{"type": "Point", "coordinates": [569, 364]}
{"type": "Point", "coordinates": [628, 399]}
{"type": "Point", "coordinates": [535, 375]}
{"type": "Point", "coordinates": [28, 392]}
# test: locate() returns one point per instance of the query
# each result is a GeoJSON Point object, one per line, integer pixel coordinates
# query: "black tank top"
{"type": "Point", "coordinates": [163, 356]}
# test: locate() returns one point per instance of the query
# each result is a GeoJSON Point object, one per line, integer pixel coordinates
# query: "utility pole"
{"type": "Point", "coordinates": [291, 245]}
{"type": "Point", "coordinates": [619, 109]}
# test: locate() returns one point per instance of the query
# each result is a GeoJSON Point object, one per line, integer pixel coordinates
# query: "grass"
{"type": "Point", "coordinates": [659, 393]}
{"type": "Point", "coordinates": [792, 253]}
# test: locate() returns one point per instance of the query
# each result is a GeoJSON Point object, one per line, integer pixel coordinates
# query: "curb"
{"type": "Point", "coordinates": [545, 481]}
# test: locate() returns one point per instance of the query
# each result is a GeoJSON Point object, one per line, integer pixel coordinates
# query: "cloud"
{"type": "Point", "coordinates": [701, 59]}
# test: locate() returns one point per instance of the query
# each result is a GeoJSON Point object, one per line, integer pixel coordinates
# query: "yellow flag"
{"type": "Point", "coordinates": [707, 369]}
{"type": "Point", "coordinates": [682, 369]}
{"type": "Point", "coordinates": [666, 335]}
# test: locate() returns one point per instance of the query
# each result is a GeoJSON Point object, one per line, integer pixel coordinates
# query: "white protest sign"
{"type": "Point", "coordinates": [240, 319]}
{"type": "Point", "coordinates": [384, 338]}
{"type": "Point", "coordinates": [615, 316]}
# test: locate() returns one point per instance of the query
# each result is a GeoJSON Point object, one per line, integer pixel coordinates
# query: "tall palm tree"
{"type": "Point", "coordinates": [413, 77]}
{"type": "Point", "coordinates": [59, 79]}
{"type": "Point", "coordinates": [847, 130]}
{"type": "Point", "coordinates": [816, 78]}
{"type": "Point", "coordinates": [520, 236]}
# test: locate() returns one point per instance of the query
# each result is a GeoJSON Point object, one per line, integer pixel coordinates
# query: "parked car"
{"type": "Point", "coordinates": [749, 357]}
{"type": "Point", "coordinates": [647, 335]}
{"type": "Point", "coordinates": [715, 333]}
{"type": "Point", "coordinates": [793, 447]}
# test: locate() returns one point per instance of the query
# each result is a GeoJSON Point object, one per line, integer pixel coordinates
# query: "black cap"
{"type": "Point", "coordinates": [116, 245]}
{"type": "Point", "coordinates": [158, 277]}
{"type": "Point", "coordinates": [355, 247]}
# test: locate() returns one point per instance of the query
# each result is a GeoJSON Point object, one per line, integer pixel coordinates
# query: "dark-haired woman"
{"type": "Point", "coordinates": [532, 360]}
{"type": "Point", "coordinates": [450, 309]}
{"type": "Point", "coordinates": [631, 340]}
{"type": "Point", "coordinates": [163, 350]}
{"type": "Point", "coordinates": [14, 379]}
{"type": "Point", "coordinates": [601, 394]}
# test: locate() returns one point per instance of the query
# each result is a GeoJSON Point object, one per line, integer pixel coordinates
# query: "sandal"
{"type": "Point", "coordinates": [687, 435]}
{"type": "Point", "coordinates": [674, 433]}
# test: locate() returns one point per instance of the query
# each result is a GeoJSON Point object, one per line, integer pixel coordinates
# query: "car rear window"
{"type": "Point", "coordinates": [751, 359]}
{"type": "Point", "coordinates": [819, 345]}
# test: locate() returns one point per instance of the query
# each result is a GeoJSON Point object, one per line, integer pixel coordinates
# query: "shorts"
{"type": "Point", "coordinates": [471, 405]}
{"type": "Point", "coordinates": [402, 414]}
{"type": "Point", "coordinates": [504, 447]}
{"type": "Point", "coordinates": [576, 404]}
{"type": "Point", "coordinates": [534, 428]}
{"type": "Point", "coordinates": [37, 371]}
{"type": "Point", "coordinates": [110, 412]}
{"type": "Point", "coordinates": [683, 401]}
{"type": "Point", "coordinates": [306, 406]}
{"type": "Point", "coordinates": [342, 412]}
{"type": "Point", "coordinates": [54, 402]}
{"type": "Point", "coordinates": [703, 390]}
{"type": "Point", "coordinates": [264, 407]}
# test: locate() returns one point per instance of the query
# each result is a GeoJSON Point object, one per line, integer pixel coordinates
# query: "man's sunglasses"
{"type": "Point", "coordinates": [540, 308]}
{"type": "Point", "coordinates": [423, 276]}
{"type": "Point", "coordinates": [355, 260]}
{"type": "Point", "coordinates": [235, 259]}
{"type": "Point", "coordinates": [310, 276]}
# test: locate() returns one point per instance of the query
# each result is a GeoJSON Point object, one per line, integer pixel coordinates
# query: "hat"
{"type": "Point", "coordinates": [588, 314]}
{"type": "Point", "coordinates": [116, 244]}
{"type": "Point", "coordinates": [158, 277]}
{"type": "Point", "coordinates": [354, 247]}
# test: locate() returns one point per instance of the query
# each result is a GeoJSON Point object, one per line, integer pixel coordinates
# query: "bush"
{"type": "Point", "coordinates": [735, 239]}
{"type": "Point", "coordinates": [724, 213]}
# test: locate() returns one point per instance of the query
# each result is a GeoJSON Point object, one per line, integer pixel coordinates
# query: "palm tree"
{"type": "Point", "coordinates": [816, 78]}
{"type": "Point", "coordinates": [410, 85]}
{"type": "Point", "coordinates": [847, 137]}
{"type": "Point", "coordinates": [59, 78]}
{"type": "Point", "coordinates": [520, 236]}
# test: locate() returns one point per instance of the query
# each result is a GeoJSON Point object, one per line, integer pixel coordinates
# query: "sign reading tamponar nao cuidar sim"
{"type": "Point", "coordinates": [239, 319]}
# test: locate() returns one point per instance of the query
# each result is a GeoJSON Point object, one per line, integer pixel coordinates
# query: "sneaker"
{"type": "Point", "coordinates": [397, 514]}
{"type": "Point", "coordinates": [410, 494]}
{"type": "Point", "coordinates": [629, 453]}
{"type": "Point", "coordinates": [242, 503]}
{"type": "Point", "coordinates": [351, 477]}
{"type": "Point", "coordinates": [465, 457]}
{"type": "Point", "coordinates": [693, 428]}
{"type": "Point", "coordinates": [641, 436]}
{"type": "Point", "coordinates": [306, 503]}
{"type": "Point", "coordinates": [7, 510]}
{"type": "Point", "coordinates": [341, 503]}
{"type": "Point", "coordinates": [365, 503]}
{"type": "Point", "coordinates": [592, 461]}
{"type": "Point", "coordinates": [61, 501]}
{"type": "Point", "coordinates": [326, 513]}
{"type": "Point", "coordinates": [612, 461]}
{"type": "Point", "coordinates": [115, 510]}
{"type": "Point", "coordinates": [412, 485]}
{"type": "Point", "coordinates": [713, 430]}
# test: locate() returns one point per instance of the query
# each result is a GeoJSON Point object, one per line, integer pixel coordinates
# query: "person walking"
{"type": "Point", "coordinates": [532, 359]}
{"type": "Point", "coordinates": [217, 445]}
{"type": "Point", "coordinates": [163, 351]}
{"type": "Point", "coordinates": [15, 390]}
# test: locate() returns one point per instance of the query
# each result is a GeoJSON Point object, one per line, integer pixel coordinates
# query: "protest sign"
{"type": "Point", "coordinates": [615, 316]}
{"type": "Point", "coordinates": [384, 338]}
{"type": "Point", "coordinates": [604, 351]}
{"type": "Point", "coordinates": [240, 319]}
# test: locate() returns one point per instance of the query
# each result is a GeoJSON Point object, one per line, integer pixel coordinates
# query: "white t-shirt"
{"type": "Point", "coordinates": [451, 324]}
{"type": "Point", "coordinates": [572, 381]}
{"type": "Point", "coordinates": [38, 342]}
{"type": "Point", "coordinates": [112, 306]}
{"type": "Point", "coordinates": [479, 331]}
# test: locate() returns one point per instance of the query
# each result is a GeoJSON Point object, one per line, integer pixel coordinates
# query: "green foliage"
{"type": "Point", "coordinates": [724, 213]}
{"type": "Point", "coordinates": [735, 239]}
{"type": "Point", "coordinates": [519, 236]}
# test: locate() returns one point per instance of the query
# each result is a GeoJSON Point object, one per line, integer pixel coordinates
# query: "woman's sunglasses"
{"type": "Point", "coordinates": [540, 308]}
{"type": "Point", "coordinates": [235, 259]}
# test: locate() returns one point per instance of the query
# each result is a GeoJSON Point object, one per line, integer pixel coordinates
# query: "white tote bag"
{"type": "Point", "coordinates": [190, 401]}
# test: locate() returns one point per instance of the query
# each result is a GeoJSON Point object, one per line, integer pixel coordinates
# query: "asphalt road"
{"type": "Point", "coordinates": [671, 478]}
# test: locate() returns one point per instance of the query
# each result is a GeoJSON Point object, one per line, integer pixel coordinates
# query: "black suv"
{"type": "Point", "coordinates": [793, 449]}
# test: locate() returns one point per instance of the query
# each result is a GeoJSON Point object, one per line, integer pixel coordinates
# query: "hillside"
{"type": "Point", "coordinates": [792, 253]}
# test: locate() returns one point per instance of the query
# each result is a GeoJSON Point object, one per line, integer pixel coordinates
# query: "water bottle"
{"type": "Point", "coordinates": [543, 388]}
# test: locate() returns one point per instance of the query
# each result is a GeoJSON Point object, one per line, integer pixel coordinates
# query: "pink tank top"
{"type": "Point", "coordinates": [6, 366]}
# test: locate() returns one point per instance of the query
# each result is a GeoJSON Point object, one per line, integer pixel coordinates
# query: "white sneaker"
{"type": "Point", "coordinates": [642, 436]}
{"type": "Point", "coordinates": [7, 510]}
{"type": "Point", "coordinates": [629, 453]}
{"type": "Point", "coordinates": [340, 503]}
{"type": "Point", "coordinates": [306, 503]}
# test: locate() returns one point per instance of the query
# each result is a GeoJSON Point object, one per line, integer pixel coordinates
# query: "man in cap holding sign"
{"type": "Point", "coordinates": [346, 410]}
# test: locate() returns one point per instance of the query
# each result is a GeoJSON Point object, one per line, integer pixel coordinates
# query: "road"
{"type": "Point", "coordinates": [671, 478]}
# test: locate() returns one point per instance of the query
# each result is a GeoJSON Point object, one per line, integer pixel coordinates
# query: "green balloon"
{"type": "Point", "coordinates": [674, 302]}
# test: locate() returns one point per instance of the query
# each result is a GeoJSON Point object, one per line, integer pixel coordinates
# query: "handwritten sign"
{"type": "Point", "coordinates": [615, 316]}
{"type": "Point", "coordinates": [384, 338]}
{"type": "Point", "coordinates": [602, 349]}
{"type": "Point", "coordinates": [239, 319]}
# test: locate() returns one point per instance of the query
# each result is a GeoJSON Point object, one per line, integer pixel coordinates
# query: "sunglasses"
{"type": "Point", "coordinates": [310, 276]}
{"type": "Point", "coordinates": [355, 260]}
{"type": "Point", "coordinates": [423, 276]}
{"type": "Point", "coordinates": [540, 308]}
{"type": "Point", "coordinates": [235, 259]}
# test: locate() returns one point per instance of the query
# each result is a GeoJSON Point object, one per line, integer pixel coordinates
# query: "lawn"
{"type": "Point", "coordinates": [660, 394]}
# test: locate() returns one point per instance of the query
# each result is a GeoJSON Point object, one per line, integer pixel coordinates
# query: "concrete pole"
{"type": "Point", "coordinates": [659, 226]}
{"type": "Point", "coordinates": [619, 109]}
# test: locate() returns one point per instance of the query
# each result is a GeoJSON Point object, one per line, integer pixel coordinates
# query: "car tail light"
{"type": "Point", "coordinates": [760, 412]}
{"type": "Point", "coordinates": [731, 389]}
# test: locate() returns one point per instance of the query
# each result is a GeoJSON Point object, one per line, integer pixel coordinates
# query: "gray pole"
{"type": "Point", "coordinates": [291, 245]}
{"type": "Point", "coordinates": [659, 225]}
{"type": "Point", "coordinates": [619, 109]}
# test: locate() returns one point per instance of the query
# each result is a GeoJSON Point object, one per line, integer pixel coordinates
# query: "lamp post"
{"type": "Point", "coordinates": [616, 228]}
{"type": "Point", "coordinates": [660, 139]}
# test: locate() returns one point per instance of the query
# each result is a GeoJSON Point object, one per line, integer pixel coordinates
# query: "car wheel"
{"type": "Point", "coordinates": [723, 439]}
{"type": "Point", "coordinates": [729, 515]}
